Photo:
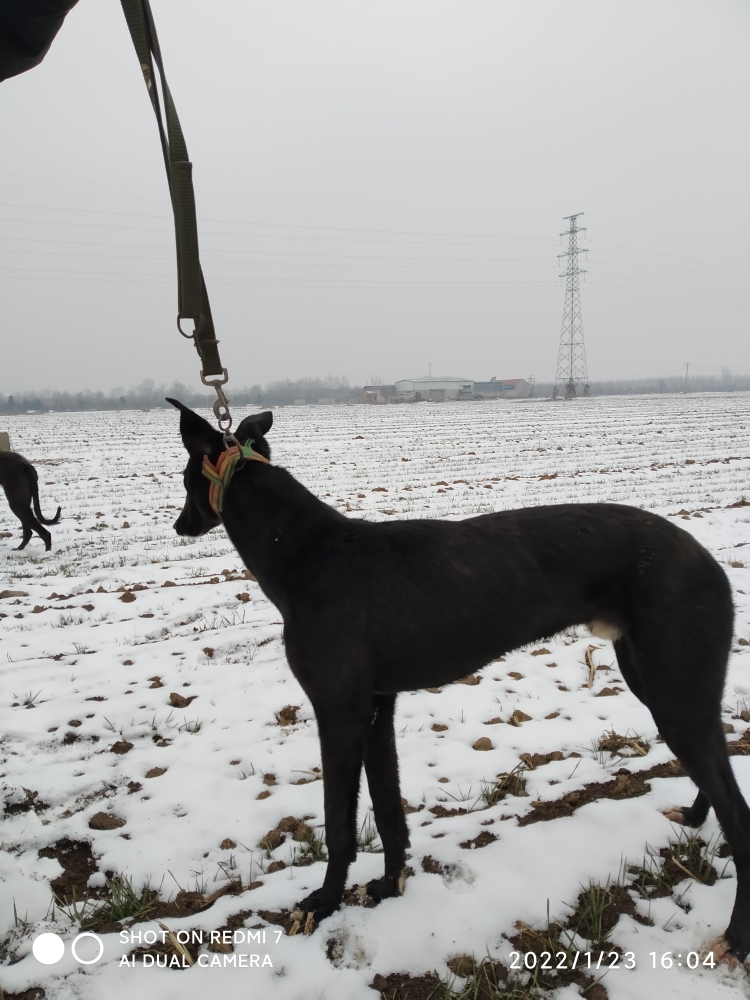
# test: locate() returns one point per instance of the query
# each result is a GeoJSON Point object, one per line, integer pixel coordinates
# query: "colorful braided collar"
{"type": "Point", "coordinates": [220, 475]}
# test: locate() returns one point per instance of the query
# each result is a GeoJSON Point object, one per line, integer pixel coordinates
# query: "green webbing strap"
{"type": "Point", "coordinates": [192, 296]}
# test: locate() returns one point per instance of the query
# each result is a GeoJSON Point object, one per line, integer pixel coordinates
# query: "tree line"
{"type": "Point", "coordinates": [148, 396]}
{"type": "Point", "coordinates": [334, 388]}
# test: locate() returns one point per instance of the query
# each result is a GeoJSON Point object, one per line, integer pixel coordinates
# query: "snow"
{"type": "Point", "coordinates": [89, 657]}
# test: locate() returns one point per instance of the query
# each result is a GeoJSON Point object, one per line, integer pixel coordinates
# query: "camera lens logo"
{"type": "Point", "coordinates": [49, 948]}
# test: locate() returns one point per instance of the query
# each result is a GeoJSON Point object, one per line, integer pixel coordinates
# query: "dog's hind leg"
{"type": "Point", "coordinates": [381, 767]}
{"type": "Point", "coordinates": [342, 727]}
{"type": "Point", "coordinates": [706, 761]}
{"type": "Point", "coordinates": [29, 524]}
{"type": "Point", "coordinates": [683, 687]}
{"type": "Point", "coordinates": [628, 665]}
{"type": "Point", "coordinates": [694, 815]}
{"type": "Point", "coordinates": [27, 533]}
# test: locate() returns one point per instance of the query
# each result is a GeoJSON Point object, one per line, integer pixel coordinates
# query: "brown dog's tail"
{"type": "Point", "coordinates": [38, 510]}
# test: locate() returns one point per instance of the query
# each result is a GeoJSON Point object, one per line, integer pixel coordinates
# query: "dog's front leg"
{"type": "Point", "coordinates": [381, 767]}
{"type": "Point", "coordinates": [342, 728]}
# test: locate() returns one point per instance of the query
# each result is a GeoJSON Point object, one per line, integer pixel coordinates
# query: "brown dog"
{"type": "Point", "coordinates": [19, 479]}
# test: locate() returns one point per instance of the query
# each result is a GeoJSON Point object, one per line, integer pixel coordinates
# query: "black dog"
{"type": "Point", "coordinates": [19, 479]}
{"type": "Point", "coordinates": [373, 609]}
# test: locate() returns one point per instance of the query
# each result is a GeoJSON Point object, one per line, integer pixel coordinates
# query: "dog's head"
{"type": "Point", "coordinates": [202, 440]}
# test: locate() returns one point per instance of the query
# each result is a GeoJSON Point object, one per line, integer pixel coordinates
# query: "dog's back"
{"type": "Point", "coordinates": [431, 600]}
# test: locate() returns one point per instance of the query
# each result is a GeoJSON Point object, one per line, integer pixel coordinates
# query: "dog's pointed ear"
{"type": "Point", "coordinates": [264, 421]}
{"type": "Point", "coordinates": [198, 436]}
{"type": "Point", "coordinates": [255, 427]}
{"type": "Point", "coordinates": [256, 423]}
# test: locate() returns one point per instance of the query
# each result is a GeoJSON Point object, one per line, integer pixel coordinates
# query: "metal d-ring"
{"type": "Point", "coordinates": [196, 331]}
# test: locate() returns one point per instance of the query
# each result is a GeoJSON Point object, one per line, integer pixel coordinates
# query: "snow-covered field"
{"type": "Point", "coordinates": [123, 619]}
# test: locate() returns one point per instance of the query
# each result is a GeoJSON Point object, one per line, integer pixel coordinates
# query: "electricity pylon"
{"type": "Point", "coordinates": [571, 358]}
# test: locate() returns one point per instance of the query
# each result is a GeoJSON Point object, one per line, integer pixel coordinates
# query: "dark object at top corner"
{"type": "Point", "coordinates": [27, 29]}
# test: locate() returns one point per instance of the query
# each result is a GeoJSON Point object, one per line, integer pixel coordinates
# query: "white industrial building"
{"type": "Point", "coordinates": [432, 387]}
{"type": "Point", "coordinates": [429, 387]}
{"type": "Point", "coordinates": [503, 388]}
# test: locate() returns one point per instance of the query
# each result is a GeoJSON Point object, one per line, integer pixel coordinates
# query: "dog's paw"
{"type": "Point", "coordinates": [683, 815]}
{"type": "Point", "coordinates": [320, 904]}
{"type": "Point", "coordinates": [385, 887]}
{"type": "Point", "coordinates": [722, 954]}
{"type": "Point", "coordinates": [675, 814]}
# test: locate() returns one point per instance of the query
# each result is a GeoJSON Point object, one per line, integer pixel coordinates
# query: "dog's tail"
{"type": "Point", "coordinates": [38, 510]}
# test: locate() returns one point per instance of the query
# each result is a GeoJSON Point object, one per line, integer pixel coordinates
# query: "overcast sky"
{"type": "Point", "coordinates": [381, 188]}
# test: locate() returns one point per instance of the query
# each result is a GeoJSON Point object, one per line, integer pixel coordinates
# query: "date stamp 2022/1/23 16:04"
{"type": "Point", "coordinates": [565, 961]}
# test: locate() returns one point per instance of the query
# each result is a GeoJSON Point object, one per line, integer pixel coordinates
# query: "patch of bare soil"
{"type": "Point", "coordinates": [186, 903]}
{"type": "Point", "coordinates": [624, 786]}
{"type": "Point", "coordinates": [612, 901]}
{"type": "Point", "coordinates": [31, 801]}
{"type": "Point", "coordinates": [535, 760]}
{"type": "Point", "coordinates": [489, 980]}
{"type": "Point", "coordinates": [672, 769]}
{"type": "Point", "coordinates": [302, 833]}
{"type": "Point", "coordinates": [616, 744]}
{"type": "Point", "coordinates": [549, 940]}
{"type": "Point", "coordinates": [281, 918]}
{"type": "Point", "coordinates": [481, 840]}
{"type": "Point", "coordinates": [33, 993]}
{"type": "Point", "coordinates": [78, 865]}
{"type": "Point", "coordinates": [402, 986]}
{"type": "Point", "coordinates": [442, 813]}
{"type": "Point", "coordinates": [686, 860]}
{"type": "Point", "coordinates": [288, 715]}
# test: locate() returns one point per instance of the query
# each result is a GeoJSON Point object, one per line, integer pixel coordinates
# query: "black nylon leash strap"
{"type": "Point", "coordinates": [192, 295]}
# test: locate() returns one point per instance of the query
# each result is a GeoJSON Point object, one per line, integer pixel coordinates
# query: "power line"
{"type": "Point", "coordinates": [277, 225]}
{"type": "Point", "coordinates": [656, 253]}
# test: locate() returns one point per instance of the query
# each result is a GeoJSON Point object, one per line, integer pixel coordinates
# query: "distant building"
{"type": "Point", "coordinates": [415, 390]}
{"type": "Point", "coordinates": [377, 394]}
{"type": "Point", "coordinates": [432, 387]}
{"type": "Point", "coordinates": [505, 388]}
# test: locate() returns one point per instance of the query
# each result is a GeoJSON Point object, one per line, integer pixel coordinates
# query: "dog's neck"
{"type": "Point", "coordinates": [272, 520]}
{"type": "Point", "coordinates": [220, 474]}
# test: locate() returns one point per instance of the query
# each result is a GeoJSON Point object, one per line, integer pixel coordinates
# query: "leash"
{"type": "Point", "coordinates": [192, 297]}
{"type": "Point", "coordinates": [220, 475]}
